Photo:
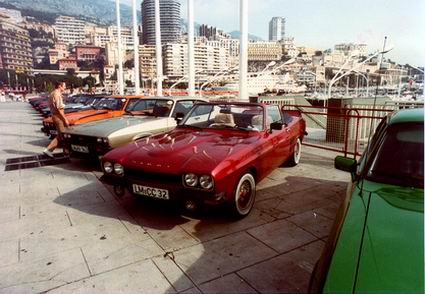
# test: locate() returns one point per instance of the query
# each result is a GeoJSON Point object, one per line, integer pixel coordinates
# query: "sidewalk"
{"type": "Point", "coordinates": [63, 231]}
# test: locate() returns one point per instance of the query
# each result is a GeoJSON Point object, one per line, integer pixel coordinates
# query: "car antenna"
{"type": "Point", "coordinates": [361, 188]}
{"type": "Point", "coordinates": [373, 111]}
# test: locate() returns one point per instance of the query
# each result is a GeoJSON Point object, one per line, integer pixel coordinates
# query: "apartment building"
{"type": "Point", "coordinates": [147, 56]}
{"type": "Point", "coordinates": [208, 59]}
{"type": "Point", "coordinates": [15, 46]}
{"type": "Point", "coordinates": [264, 51]}
{"type": "Point", "coordinates": [111, 52]}
{"type": "Point", "coordinates": [232, 45]}
{"type": "Point", "coordinates": [289, 48]}
{"type": "Point", "coordinates": [348, 48]}
{"type": "Point", "coordinates": [69, 30]}
{"type": "Point", "coordinates": [87, 52]}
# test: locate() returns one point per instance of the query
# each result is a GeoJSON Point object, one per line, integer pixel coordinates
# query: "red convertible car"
{"type": "Point", "coordinates": [217, 154]}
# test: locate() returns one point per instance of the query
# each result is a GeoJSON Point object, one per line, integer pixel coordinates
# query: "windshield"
{"type": "Point", "coordinates": [110, 103]}
{"type": "Point", "coordinates": [151, 107]}
{"type": "Point", "coordinates": [400, 158]}
{"type": "Point", "coordinates": [246, 117]}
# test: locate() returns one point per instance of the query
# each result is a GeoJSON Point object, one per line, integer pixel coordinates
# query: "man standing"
{"type": "Point", "coordinates": [58, 115]}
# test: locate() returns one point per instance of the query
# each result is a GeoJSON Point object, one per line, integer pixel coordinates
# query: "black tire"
{"type": "Point", "coordinates": [295, 157]}
{"type": "Point", "coordinates": [244, 196]}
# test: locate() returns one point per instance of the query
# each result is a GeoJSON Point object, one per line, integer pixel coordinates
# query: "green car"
{"type": "Point", "coordinates": [377, 241]}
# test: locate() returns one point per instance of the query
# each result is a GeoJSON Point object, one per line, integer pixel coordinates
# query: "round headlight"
{"type": "Point", "coordinates": [191, 180]}
{"type": "Point", "coordinates": [206, 182]}
{"type": "Point", "coordinates": [105, 140]}
{"type": "Point", "coordinates": [99, 140]}
{"type": "Point", "coordinates": [119, 169]}
{"type": "Point", "coordinates": [107, 166]}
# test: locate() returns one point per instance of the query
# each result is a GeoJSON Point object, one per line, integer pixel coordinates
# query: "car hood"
{"type": "Point", "coordinates": [75, 116]}
{"type": "Point", "coordinates": [104, 128]}
{"type": "Point", "coordinates": [392, 254]}
{"type": "Point", "coordinates": [183, 150]}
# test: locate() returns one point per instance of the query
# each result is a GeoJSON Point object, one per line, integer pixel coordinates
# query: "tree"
{"type": "Point", "coordinates": [70, 71]}
{"type": "Point", "coordinates": [90, 82]}
{"type": "Point", "coordinates": [129, 63]}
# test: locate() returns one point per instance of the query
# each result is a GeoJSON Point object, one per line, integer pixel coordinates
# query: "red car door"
{"type": "Point", "coordinates": [280, 138]}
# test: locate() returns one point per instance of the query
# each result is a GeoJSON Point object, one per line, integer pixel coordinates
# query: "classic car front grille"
{"type": "Point", "coordinates": [83, 140]}
{"type": "Point", "coordinates": [153, 177]}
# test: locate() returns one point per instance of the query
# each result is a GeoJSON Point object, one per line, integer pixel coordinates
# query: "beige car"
{"type": "Point", "coordinates": [143, 117]}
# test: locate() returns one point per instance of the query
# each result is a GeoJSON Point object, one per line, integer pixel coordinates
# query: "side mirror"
{"type": "Point", "coordinates": [346, 164]}
{"type": "Point", "coordinates": [179, 117]}
{"type": "Point", "coordinates": [276, 126]}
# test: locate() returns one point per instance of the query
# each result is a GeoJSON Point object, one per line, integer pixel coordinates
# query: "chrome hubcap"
{"type": "Point", "coordinates": [244, 195]}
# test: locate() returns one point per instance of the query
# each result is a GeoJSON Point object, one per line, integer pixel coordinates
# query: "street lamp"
{"type": "Point", "coordinates": [271, 63]}
{"type": "Point", "coordinates": [367, 81]}
{"type": "Point", "coordinates": [356, 66]}
{"type": "Point", "coordinates": [334, 79]}
{"type": "Point", "coordinates": [216, 77]}
{"type": "Point", "coordinates": [181, 80]}
{"type": "Point", "coordinates": [289, 61]}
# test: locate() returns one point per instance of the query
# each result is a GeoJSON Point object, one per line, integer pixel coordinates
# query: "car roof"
{"type": "Point", "coordinates": [124, 96]}
{"type": "Point", "coordinates": [407, 116]}
{"type": "Point", "coordinates": [176, 98]}
{"type": "Point", "coordinates": [218, 102]}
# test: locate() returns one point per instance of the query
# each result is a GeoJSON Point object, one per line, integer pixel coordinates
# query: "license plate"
{"type": "Point", "coordinates": [53, 132]}
{"type": "Point", "coordinates": [151, 192]}
{"type": "Point", "coordinates": [82, 149]}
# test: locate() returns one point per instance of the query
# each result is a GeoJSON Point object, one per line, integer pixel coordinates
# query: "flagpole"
{"type": "Point", "coordinates": [191, 48]}
{"type": "Point", "coordinates": [120, 67]}
{"type": "Point", "coordinates": [158, 45]}
{"type": "Point", "coordinates": [136, 51]}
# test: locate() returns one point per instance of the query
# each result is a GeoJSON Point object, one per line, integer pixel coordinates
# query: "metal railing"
{"type": "Point", "coordinates": [343, 129]}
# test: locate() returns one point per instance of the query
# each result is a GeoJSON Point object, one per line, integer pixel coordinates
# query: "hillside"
{"type": "Point", "coordinates": [99, 11]}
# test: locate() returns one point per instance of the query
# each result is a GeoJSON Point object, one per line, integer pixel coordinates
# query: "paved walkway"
{"type": "Point", "coordinates": [63, 231]}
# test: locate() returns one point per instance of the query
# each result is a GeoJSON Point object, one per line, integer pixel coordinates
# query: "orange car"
{"type": "Point", "coordinates": [105, 108]}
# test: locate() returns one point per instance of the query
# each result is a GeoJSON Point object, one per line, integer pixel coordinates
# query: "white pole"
{"type": "Point", "coordinates": [191, 47]}
{"type": "Point", "coordinates": [243, 58]}
{"type": "Point", "coordinates": [158, 49]}
{"type": "Point", "coordinates": [136, 51]}
{"type": "Point", "coordinates": [120, 70]}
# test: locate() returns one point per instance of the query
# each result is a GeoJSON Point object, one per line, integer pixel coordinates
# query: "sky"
{"type": "Point", "coordinates": [321, 24]}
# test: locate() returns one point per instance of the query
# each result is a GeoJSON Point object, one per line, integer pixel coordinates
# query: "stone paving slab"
{"type": "Point", "coordinates": [43, 274]}
{"type": "Point", "coordinates": [62, 230]}
{"type": "Point", "coordinates": [221, 256]}
{"type": "Point", "coordinates": [230, 283]}
{"type": "Point", "coordinates": [287, 273]}
{"type": "Point", "coordinates": [142, 277]}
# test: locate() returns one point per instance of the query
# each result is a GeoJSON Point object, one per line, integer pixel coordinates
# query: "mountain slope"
{"type": "Point", "coordinates": [237, 34]}
{"type": "Point", "coordinates": [101, 10]}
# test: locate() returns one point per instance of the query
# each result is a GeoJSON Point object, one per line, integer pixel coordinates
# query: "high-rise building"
{"type": "Point", "coordinates": [69, 30]}
{"type": "Point", "coordinates": [170, 21]}
{"type": "Point", "coordinates": [15, 46]}
{"type": "Point", "coordinates": [212, 33]}
{"type": "Point", "coordinates": [277, 29]}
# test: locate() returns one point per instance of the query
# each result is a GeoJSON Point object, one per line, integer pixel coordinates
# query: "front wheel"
{"type": "Point", "coordinates": [244, 196]}
{"type": "Point", "coordinates": [294, 159]}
